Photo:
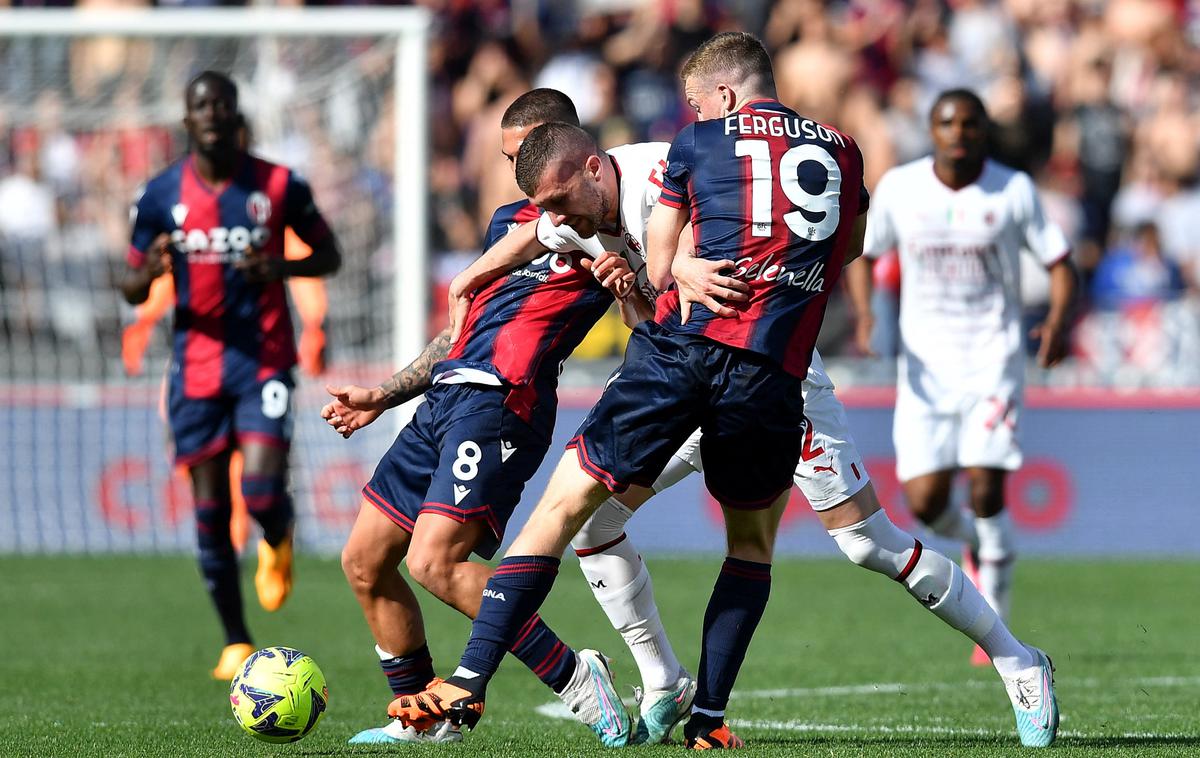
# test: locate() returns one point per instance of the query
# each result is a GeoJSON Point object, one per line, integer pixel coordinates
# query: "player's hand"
{"type": "Point", "coordinates": [612, 271]}
{"type": "Point", "coordinates": [707, 283]}
{"type": "Point", "coordinates": [863, 327]}
{"type": "Point", "coordinates": [259, 268]}
{"type": "Point", "coordinates": [352, 408]}
{"type": "Point", "coordinates": [1053, 347]}
{"type": "Point", "coordinates": [158, 261]}
{"type": "Point", "coordinates": [458, 299]}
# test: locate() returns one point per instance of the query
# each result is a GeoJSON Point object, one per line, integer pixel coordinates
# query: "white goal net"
{"type": "Point", "coordinates": [90, 107]}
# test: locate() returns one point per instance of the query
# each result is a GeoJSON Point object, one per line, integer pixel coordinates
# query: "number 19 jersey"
{"type": "Point", "coordinates": [778, 195]}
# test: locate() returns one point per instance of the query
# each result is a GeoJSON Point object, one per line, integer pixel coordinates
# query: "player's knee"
{"type": "Point", "coordinates": [875, 543]}
{"type": "Point", "coordinates": [361, 568]}
{"type": "Point", "coordinates": [605, 527]}
{"type": "Point", "coordinates": [433, 570]}
{"type": "Point", "coordinates": [986, 494]}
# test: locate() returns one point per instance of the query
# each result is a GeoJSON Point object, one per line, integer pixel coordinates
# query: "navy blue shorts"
{"type": "Point", "coordinates": [464, 456]}
{"type": "Point", "coordinates": [749, 408]}
{"type": "Point", "coordinates": [203, 427]}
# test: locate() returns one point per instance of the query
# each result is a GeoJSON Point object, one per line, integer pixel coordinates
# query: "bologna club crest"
{"type": "Point", "coordinates": [258, 206]}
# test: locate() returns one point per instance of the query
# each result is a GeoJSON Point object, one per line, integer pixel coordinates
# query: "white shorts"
{"type": "Point", "coordinates": [830, 470]}
{"type": "Point", "coordinates": [978, 431]}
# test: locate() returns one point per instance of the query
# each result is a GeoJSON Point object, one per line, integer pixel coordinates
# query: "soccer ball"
{"type": "Point", "coordinates": [278, 695]}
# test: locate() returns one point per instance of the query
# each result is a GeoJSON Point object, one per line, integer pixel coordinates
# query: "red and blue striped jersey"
{"type": "Point", "coordinates": [778, 195]}
{"type": "Point", "coordinates": [229, 333]}
{"type": "Point", "coordinates": [523, 325]}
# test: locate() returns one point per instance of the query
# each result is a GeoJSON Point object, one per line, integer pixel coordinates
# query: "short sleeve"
{"type": "Point", "coordinates": [145, 218]}
{"type": "Point", "coordinates": [681, 160]}
{"type": "Point", "coordinates": [300, 212]}
{"type": "Point", "coordinates": [558, 239]}
{"type": "Point", "coordinates": [497, 228]}
{"type": "Point", "coordinates": [881, 230]}
{"type": "Point", "coordinates": [1041, 236]}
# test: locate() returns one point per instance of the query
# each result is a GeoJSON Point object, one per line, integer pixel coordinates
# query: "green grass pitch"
{"type": "Point", "coordinates": [108, 656]}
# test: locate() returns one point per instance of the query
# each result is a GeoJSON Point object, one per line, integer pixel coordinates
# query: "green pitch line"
{"type": "Point", "coordinates": [109, 656]}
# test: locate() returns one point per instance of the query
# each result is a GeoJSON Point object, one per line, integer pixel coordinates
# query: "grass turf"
{"type": "Point", "coordinates": [109, 656]}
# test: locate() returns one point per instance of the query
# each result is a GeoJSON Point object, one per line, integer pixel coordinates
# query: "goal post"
{"type": "Point", "coordinates": [84, 467]}
{"type": "Point", "coordinates": [409, 27]}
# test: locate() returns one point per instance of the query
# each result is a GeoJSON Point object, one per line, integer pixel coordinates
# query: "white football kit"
{"type": "Point", "coordinates": [962, 368]}
{"type": "Point", "coordinates": [830, 469]}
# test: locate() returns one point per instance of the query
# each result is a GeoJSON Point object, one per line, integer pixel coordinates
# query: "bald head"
{"type": "Point", "coordinates": [554, 148]}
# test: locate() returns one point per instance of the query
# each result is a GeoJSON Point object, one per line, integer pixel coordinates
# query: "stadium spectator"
{"type": "Point", "coordinates": [1135, 274]}
{"type": "Point", "coordinates": [1105, 92]}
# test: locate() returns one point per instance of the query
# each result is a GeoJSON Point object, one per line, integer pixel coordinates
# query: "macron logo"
{"type": "Point", "coordinates": [459, 493]}
{"type": "Point", "coordinates": [506, 450]}
{"type": "Point", "coordinates": [494, 595]}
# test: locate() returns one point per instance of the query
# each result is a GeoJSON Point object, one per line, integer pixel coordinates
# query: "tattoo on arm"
{"type": "Point", "coordinates": [416, 377]}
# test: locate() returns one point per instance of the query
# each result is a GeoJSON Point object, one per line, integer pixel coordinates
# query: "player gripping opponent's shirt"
{"type": "Point", "coordinates": [831, 468]}
{"type": "Point", "coordinates": [233, 343]}
{"type": "Point", "coordinates": [775, 327]}
{"type": "Point", "coordinates": [489, 417]}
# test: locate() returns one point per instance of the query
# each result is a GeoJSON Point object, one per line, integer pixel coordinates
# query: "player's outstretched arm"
{"type": "Point", "coordinates": [354, 407]}
{"type": "Point", "coordinates": [512, 250]}
{"type": "Point", "coordinates": [135, 285]}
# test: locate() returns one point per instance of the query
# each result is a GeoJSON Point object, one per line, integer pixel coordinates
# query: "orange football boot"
{"type": "Point", "coordinates": [441, 701]}
{"type": "Point", "coordinates": [273, 580]}
{"type": "Point", "coordinates": [232, 657]}
{"type": "Point", "coordinates": [709, 733]}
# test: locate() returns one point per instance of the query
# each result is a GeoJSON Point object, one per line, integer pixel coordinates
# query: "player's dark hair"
{"type": "Point", "coordinates": [545, 145]}
{"type": "Point", "coordinates": [737, 55]}
{"type": "Point", "coordinates": [212, 77]}
{"type": "Point", "coordinates": [962, 95]}
{"type": "Point", "coordinates": [539, 106]}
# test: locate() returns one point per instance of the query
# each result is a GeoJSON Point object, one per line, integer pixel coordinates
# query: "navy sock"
{"type": "Point", "coordinates": [733, 613]}
{"type": "Point", "coordinates": [268, 501]}
{"type": "Point", "coordinates": [218, 564]}
{"type": "Point", "coordinates": [544, 653]}
{"type": "Point", "coordinates": [409, 673]}
{"type": "Point", "coordinates": [513, 594]}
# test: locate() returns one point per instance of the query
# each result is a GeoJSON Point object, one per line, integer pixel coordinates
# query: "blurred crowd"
{"type": "Point", "coordinates": [1098, 101]}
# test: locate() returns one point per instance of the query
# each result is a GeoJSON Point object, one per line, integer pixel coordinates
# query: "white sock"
{"type": "Point", "coordinates": [383, 654]}
{"type": "Point", "coordinates": [707, 712]}
{"type": "Point", "coordinates": [962, 606]}
{"type": "Point", "coordinates": [633, 613]}
{"type": "Point", "coordinates": [956, 523]}
{"type": "Point", "coordinates": [622, 587]}
{"type": "Point", "coordinates": [936, 582]}
{"type": "Point", "coordinates": [997, 557]}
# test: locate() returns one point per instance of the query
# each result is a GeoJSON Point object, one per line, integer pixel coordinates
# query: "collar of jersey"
{"type": "Point", "coordinates": [757, 104]}
{"type": "Point", "coordinates": [215, 189]}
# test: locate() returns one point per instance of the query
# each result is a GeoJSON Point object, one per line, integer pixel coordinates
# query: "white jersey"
{"type": "Point", "coordinates": [960, 296]}
{"type": "Point", "coordinates": [640, 167]}
{"type": "Point", "coordinates": [830, 469]}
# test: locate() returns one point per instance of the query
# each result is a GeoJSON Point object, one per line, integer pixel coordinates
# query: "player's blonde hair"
{"type": "Point", "coordinates": [737, 56]}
